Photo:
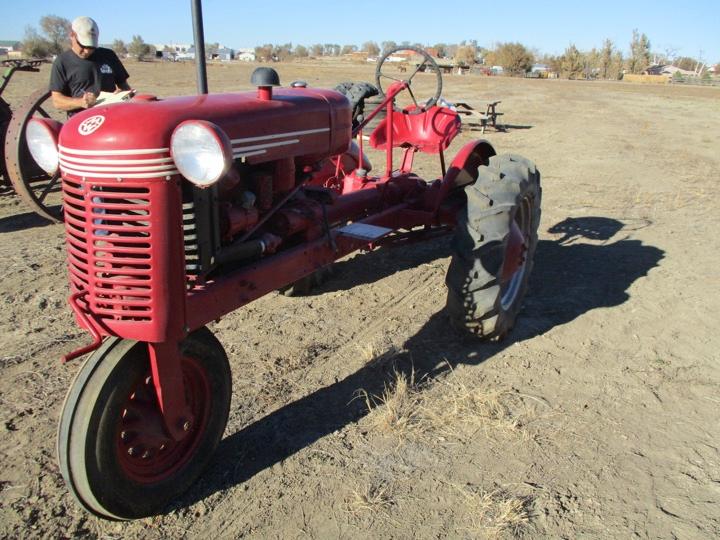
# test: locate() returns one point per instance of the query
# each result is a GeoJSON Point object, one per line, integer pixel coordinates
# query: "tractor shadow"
{"type": "Point", "coordinates": [569, 279]}
{"type": "Point", "coordinates": [21, 222]}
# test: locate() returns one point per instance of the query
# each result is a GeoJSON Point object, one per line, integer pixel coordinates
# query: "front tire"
{"type": "Point", "coordinates": [486, 282]}
{"type": "Point", "coordinates": [113, 450]}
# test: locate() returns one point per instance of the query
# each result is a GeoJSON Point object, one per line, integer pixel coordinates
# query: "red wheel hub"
{"type": "Point", "coordinates": [146, 452]}
{"type": "Point", "coordinates": [514, 253]}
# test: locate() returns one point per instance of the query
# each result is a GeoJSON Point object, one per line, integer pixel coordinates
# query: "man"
{"type": "Point", "coordinates": [81, 73]}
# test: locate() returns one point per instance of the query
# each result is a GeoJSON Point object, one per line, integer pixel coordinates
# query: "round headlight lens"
{"type": "Point", "coordinates": [202, 152]}
{"type": "Point", "coordinates": [42, 144]}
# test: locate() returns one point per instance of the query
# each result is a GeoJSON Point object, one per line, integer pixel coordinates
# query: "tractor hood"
{"type": "Point", "coordinates": [294, 122]}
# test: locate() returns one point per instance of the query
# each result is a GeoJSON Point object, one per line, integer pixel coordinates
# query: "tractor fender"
{"type": "Point", "coordinates": [463, 170]}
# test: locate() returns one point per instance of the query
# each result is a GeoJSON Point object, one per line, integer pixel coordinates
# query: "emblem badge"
{"type": "Point", "coordinates": [90, 125]}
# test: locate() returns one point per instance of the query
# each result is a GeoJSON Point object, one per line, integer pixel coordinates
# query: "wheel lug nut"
{"type": "Point", "coordinates": [123, 435]}
{"type": "Point", "coordinates": [186, 425]}
{"type": "Point", "coordinates": [131, 451]}
{"type": "Point", "coordinates": [146, 454]}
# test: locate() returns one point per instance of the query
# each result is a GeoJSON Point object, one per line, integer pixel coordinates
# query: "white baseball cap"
{"type": "Point", "coordinates": [86, 31]}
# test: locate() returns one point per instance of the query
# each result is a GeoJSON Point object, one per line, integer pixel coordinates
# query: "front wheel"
{"type": "Point", "coordinates": [114, 452]}
{"type": "Point", "coordinates": [494, 246]}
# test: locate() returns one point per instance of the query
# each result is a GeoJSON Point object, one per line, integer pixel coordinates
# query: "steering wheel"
{"type": "Point", "coordinates": [427, 64]}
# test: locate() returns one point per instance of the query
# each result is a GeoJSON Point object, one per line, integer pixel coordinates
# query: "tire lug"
{"type": "Point", "coordinates": [131, 451]}
{"type": "Point", "coordinates": [146, 454]}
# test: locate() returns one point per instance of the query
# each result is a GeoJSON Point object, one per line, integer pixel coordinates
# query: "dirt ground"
{"type": "Point", "coordinates": [358, 413]}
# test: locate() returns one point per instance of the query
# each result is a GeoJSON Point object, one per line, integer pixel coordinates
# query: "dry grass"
{"type": "Point", "coordinates": [446, 408]}
{"type": "Point", "coordinates": [373, 499]}
{"type": "Point", "coordinates": [397, 410]}
{"type": "Point", "coordinates": [497, 513]}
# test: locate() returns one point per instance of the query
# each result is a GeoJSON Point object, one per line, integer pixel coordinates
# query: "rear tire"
{"type": "Point", "coordinates": [113, 451]}
{"type": "Point", "coordinates": [486, 287]}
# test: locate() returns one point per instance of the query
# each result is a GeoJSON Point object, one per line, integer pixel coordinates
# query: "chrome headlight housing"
{"type": "Point", "coordinates": [41, 135]}
{"type": "Point", "coordinates": [202, 152]}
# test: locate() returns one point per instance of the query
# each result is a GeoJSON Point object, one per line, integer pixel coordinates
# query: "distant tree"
{"type": "Point", "coordinates": [387, 46]}
{"type": "Point", "coordinates": [571, 64]}
{"type": "Point", "coordinates": [331, 49]}
{"type": "Point", "coordinates": [282, 52]}
{"type": "Point", "coordinates": [57, 31]}
{"type": "Point", "coordinates": [616, 68]}
{"type": "Point", "coordinates": [513, 57]}
{"type": "Point", "coordinates": [317, 49]}
{"type": "Point", "coordinates": [441, 49]}
{"type": "Point", "coordinates": [121, 49]}
{"type": "Point", "coordinates": [639, 53]}
{"type": "Point", "coordinates": [138, 48]}
{"type": "Point", "coordinates": [465, 55]}
{"type": "Point", "coordinates": [371, 48]}
{"type": "Point", "coordinates": [34, 45]}
{"type": "Point", "coordinates": [348, 49]}
{"type": "Point", "coordinates": [606, 58]}
{"type": "Point", "coordinates": [264, 53]}
{"type": "Point", "coordinates": [301, 51]}
{"type": "Point", "coordinates": [687, 63]}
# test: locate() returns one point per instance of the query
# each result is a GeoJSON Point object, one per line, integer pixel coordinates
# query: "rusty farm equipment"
{"type": "Point", "coordinates": [220, 199]}
{"type": "Point", "coordinates": [38, 189]}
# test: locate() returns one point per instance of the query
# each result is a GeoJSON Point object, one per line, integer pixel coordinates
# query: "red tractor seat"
{"type": "Point", "coordinates": [429, 132]}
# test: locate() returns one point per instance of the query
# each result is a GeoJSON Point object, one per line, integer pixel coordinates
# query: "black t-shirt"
{"type": "Point", "coordinates": [72, 76]}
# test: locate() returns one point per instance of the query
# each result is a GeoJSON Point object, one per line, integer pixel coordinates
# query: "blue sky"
{"type": "Point", "coordinates": [687, 27]}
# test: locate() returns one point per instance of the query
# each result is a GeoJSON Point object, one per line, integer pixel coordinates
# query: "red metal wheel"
{"type": "Point", "coordinates": [39, 191]}
{"type": "Point", "coordinates": [145, 452]}
{"type": "Point", "coordinates": [113, 450]}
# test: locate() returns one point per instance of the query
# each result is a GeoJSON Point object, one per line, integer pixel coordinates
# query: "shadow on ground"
{"type": "Point", "coordinates": [568, 281]}
{"type": "Point", "coordinates": [20, 222]}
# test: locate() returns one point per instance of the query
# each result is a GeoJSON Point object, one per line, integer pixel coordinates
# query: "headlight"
{"type": "Point", "coordinates": [41, 137]}
{"type": "Point", "coordinates": [202, 152]}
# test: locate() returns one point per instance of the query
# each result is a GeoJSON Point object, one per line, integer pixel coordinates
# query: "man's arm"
{"type": "Point", "coordinates": [66, 103]}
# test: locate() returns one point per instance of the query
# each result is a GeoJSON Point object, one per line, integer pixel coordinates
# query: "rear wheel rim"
{"type": "Point", "coordinates": [511, 287]}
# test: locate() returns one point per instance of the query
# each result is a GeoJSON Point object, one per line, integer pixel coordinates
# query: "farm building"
{"type": "Point", "coordinates": [668, 70]}
{"type": "Point", "coordinates": [245, 55]}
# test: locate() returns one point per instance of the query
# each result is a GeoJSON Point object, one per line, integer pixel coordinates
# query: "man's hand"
{"type": "Point", "coordinates": [88, 100]}
{"type": "Point", "coordinates": [67, 103]}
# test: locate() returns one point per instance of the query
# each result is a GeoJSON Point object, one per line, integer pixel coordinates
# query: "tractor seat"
{"type": "Point", "coordinates": [431, 131]}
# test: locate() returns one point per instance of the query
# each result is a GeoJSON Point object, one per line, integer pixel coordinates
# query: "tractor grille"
{"type": "Point", "coordinates": [109, 241]}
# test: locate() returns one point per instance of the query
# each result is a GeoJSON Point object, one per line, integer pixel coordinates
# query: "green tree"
{"type": "Point", "coordinates": [121, 49]}
{"type": "Point", "coordinates": [317, 49]}
{"type": "Point", "coordinates": [57, 32]}
{"type": "Point", "coordinates": [371, 48]}
{"type": "Point", "coordinates": [138, 48]}
{"type": "Point", "coordinates": [639, 53]}
{"type": "Point", "coordinates": [301, 51]}
{"type": "Point", "coordinates": [348, 49]}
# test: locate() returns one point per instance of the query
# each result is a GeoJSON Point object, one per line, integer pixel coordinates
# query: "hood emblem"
{"type": "Point", "coordinates": [90, 125]}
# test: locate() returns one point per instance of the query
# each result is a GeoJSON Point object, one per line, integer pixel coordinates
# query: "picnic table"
{"type": "Point", "coordinates": [483, 119]}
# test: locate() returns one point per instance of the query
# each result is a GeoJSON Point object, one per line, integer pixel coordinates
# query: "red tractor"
{"type": "Point", "coordinates": [178, 211]}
